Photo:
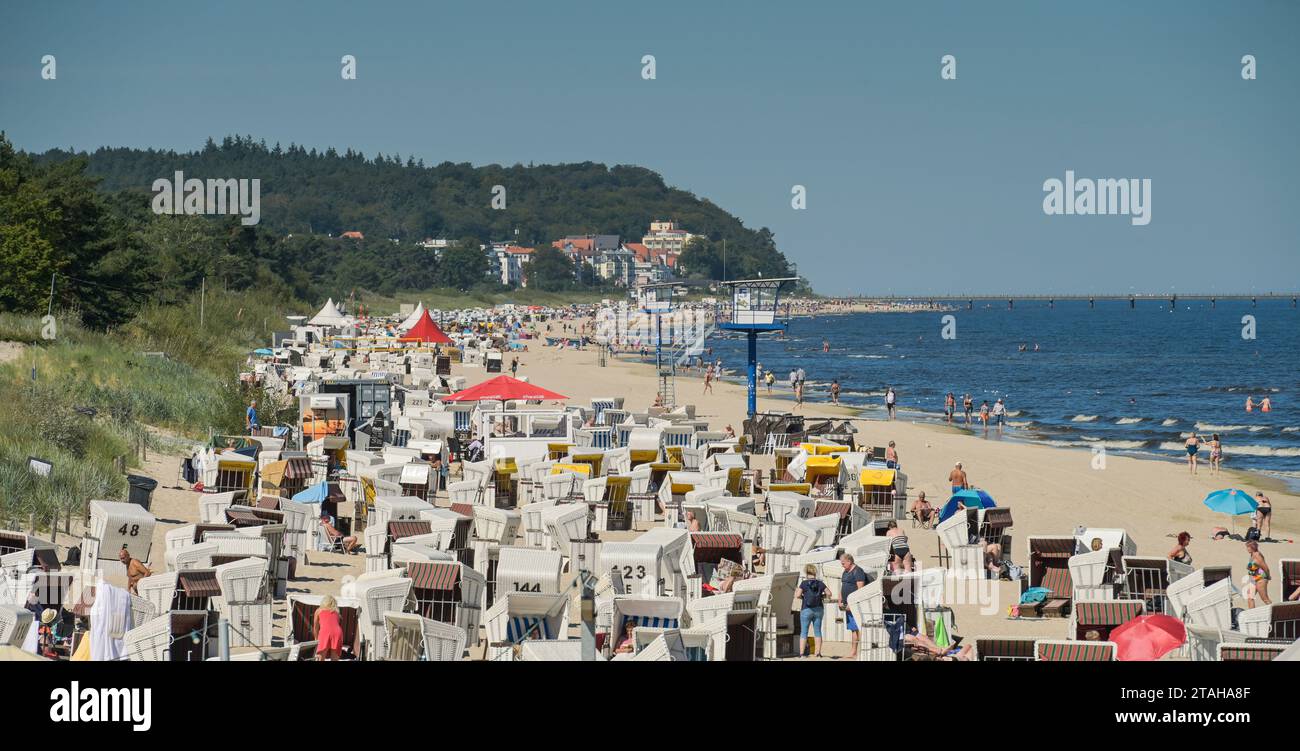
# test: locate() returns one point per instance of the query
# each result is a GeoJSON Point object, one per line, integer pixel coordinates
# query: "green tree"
{"type": "Point", "coordinates": [463, 265]}
{"type": "Point", "coordinates": [550, 270]}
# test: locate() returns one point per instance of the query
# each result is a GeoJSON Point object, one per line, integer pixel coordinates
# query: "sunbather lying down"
{"type": "Point", "coordinates": [924, 648]}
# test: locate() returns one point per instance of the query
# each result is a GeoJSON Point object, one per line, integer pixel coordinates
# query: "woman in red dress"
{"type": "Point", "coordinates": [328, 630]}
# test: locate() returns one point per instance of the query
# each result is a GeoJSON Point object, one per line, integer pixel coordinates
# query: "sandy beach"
{"type": "Point", "coordinates": [1050, 490]}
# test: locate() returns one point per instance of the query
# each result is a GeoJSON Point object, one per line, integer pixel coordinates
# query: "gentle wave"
{"type": "Point", "coordinates": [1169, 421]}
{"type": "Point", "coordinates": [1208, 428]}
{"type": "Point", "coordinates": [1129, 420]}
{"type": "Point", "coordinates": [1290, 430]}
{"type": "Point", "coordinates": [1083, 418]}
{"type": "Point", "coordinates": [1247, 450]}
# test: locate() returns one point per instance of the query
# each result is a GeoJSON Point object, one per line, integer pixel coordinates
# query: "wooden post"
{"type": "Point", "coordinates": [31, 523]}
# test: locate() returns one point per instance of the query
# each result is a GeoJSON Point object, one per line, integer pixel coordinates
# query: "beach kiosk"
{"type": "Point", "coordinates": [753, 310]}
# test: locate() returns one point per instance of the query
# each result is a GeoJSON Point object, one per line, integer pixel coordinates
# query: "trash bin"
{"type": "Point", "coordinates": [141, 489]}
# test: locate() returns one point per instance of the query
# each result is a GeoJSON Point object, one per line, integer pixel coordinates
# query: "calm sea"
{"type": "Point", "coordinates": [1134, 380]}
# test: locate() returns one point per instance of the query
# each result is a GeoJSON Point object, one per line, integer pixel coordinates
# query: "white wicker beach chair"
{"type": "Point", "coordinates": [379, 596]}
{"type": "Point", "coordinates": [529, 570]}
{"type": "Point", "coordinates": [15, 622]}
{"type": "Point", "coordinates": [517, 617]}
{"type": "Point", "coordinates": [412, 637]}
{"type": "Point", "coordinates": [564, 523]}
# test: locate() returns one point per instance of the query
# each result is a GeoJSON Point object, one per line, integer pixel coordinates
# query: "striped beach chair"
{"type": "Point", "coordinates": [1251, 652]}
{"type": "Point", "coordinates": [1004, 650]}
{"type": "Point", "coordinates": [1063, 650]}
{"type": "Point", "coordinates": [1103, 616]}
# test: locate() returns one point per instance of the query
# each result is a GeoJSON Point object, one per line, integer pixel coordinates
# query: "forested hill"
{"type": "Point", "coordinates": [387, 196]}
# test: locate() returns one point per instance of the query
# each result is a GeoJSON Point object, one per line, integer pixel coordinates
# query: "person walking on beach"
{"type": "Point", "coordinates": [1216, 453]}
{"type": "Point", "coordinates": [854, 578]}
{"type": "Point", "coordinates": [1257, 570]}
{"type": "Point", "coordinates": [708, 379]}
{"type": "Point", "coordinates": [949, 406]}
{"type": "Point", "coordinates": [890, 399]}
{"type": "Point", "coordinates": [1192, 445]}
{"type": "Point", "coordinates": [514, 367]}
{"type": "Point", "coordinates": [771, 379]}
{"type": "Point", "coordinates": [835, 392]}
{"type": "Point", "coordinates": [957, 478]}
{"type": "Point", "coordinates": [999, 414]}
{"type": "Point", "coordinates": [250, 417]}
{"type": "Point", "coordinates": [794, 379]}
{"type": "Point", "coordinates": [891, 456]}
{"type": "Point", "coordinates": [812, 591]}
{"type": "Point", "coordinates": [968, 404]}
{"type": "Point", "coordinates": [984, 414]}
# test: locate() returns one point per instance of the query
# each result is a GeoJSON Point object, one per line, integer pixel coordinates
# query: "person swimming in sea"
{"type": "Point", "coordinates": [1250, 404]}
{"type": "Point", "coordinates": [1266, 405]}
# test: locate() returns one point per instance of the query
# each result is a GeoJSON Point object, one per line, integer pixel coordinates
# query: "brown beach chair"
{"type": "Point", "coordinates": [1004, 650]}
{"type": "Point", "coordinates": [1061, 650]}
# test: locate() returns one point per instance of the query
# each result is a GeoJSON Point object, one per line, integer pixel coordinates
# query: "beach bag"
{"type": "Point", "coordinates": [1252, 534]}
{"type": "Point", "coordinates": [1034, 595]}
{"type": "Point", "coordinates": [1014, 572]}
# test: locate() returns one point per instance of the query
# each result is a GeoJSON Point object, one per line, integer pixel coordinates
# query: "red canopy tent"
{"type": "Point", "coordinates": [425, 330]}
{"type": "Point", "coordinates": [504, 388]}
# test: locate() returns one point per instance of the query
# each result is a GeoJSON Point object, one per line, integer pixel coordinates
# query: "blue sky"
{"type": "Point", "coordinates": [914, 184]}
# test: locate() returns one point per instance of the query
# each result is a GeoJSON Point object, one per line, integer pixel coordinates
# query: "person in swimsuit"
{"type": "Point", "coordinates": [1263, 515]}
{"type": "Point", "coordinates": [984, 414]}
{"type": "Point", "coordinates": [957, 478]}
{"type": "Point", "coordinates": [949, 406]}
{"type": "Point", "coordinates": [835, 392]}
{"type": "Point", "coordinates": [968, 404]}
{"type": "Point", "coordinates": [891, 456]}
{"type": "Point", "coordinates": [1216, 453]}
{"type": "Point", "coordinates": [1257, 570]}
{"type": "Point", "coordinates": [1250, 404]}
{"type": "Point", "coordinates": [328, 630]}
{"type": "Point", "coordinates": [1193, 445]}
{"type": "Point", "coordinates": [1266, 405]}
{"type": "Point", "coordinates": [1179, 553]}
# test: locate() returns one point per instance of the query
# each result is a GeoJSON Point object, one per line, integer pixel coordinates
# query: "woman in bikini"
{"type": "Point", "coordinates": [1216, 454]}
{"type": "Point", "coordinates": [1179, 553]}
{"type": "Point", "coordinates": [1263, 515]}
{"type": "Point", "coordinates": [1257, 570]}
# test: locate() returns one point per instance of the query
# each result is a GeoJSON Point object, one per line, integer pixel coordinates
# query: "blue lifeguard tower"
{"type": "Point", "coordinates": [753, 310]}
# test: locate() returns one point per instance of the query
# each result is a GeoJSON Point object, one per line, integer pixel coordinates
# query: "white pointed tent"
{"type": "Point", "coordinates": [412, 319]}
{"type": "Point", "coordinates": [329, 316]}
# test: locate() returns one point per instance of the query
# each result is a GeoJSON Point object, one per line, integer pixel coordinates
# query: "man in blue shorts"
{"type": "Point", "coordinates": [854, 578]}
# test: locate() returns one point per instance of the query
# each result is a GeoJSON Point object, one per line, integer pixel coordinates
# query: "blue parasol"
{"type": "Point", "coordinates": [1232, 501]}
{"type": "Point", "coordinates": [971, 498]}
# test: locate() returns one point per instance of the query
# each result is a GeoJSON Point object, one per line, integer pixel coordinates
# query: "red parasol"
{"type": "Point", "coordinates": [504, 388]}
{"type": "Point", "coordinates": [1148, 637]}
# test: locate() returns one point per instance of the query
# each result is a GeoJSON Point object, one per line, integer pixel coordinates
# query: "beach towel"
{"type": "Point", "coordinates": [1034, 595]}
{"type": "Point", "coordinates": [941, 632]}
{"type": "Point", "coordinates": [110, 619]}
